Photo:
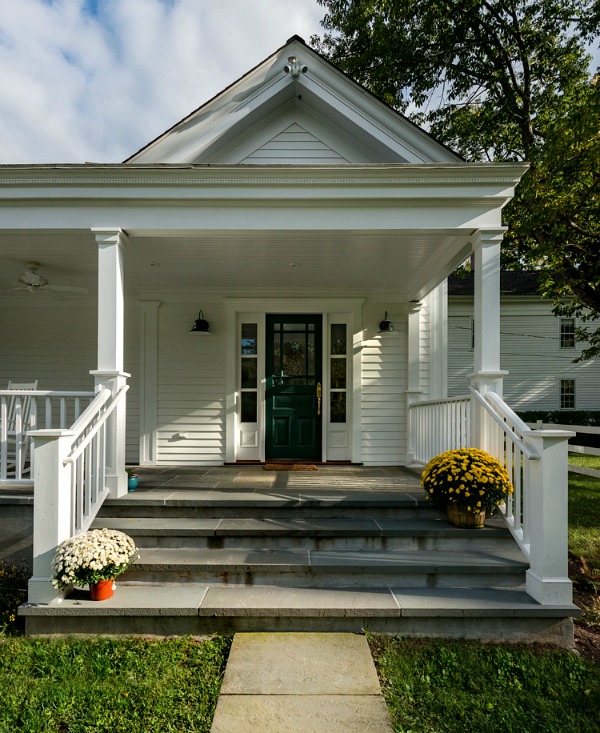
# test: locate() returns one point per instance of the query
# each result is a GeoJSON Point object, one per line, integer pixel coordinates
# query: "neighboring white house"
{"type": "Point", "coordinates": [537, 348]}
{"type": "Point", "coordinates": [291, 216]}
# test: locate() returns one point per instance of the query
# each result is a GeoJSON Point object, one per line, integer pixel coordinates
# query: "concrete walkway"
{"type": "Point", "coordinates": [300, 683]}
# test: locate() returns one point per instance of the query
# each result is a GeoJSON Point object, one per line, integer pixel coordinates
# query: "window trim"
{"type": "Point", "coordinates": [562, 394]}
{"type": "Point", "coordinates": [563, 335]}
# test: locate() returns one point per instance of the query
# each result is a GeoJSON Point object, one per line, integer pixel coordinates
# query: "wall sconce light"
{"type": "Point", "coordinates": [200, 326]}
{"type": "Point", "coordinates": [386, 326]}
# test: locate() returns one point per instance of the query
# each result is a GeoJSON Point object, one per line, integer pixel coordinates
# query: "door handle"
{"type": "Point", "coordinates": [319, 394]}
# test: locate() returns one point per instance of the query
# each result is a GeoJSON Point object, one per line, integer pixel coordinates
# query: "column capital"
{"type": "Point", "coordinates": [110, 235]}
{"type": "Point", "coordinates": [489, 236]}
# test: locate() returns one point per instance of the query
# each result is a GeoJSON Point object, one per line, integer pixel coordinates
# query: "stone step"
{"type": "Point", "coordinates": [306, 532]}
{"type": "Point", "coordinates": [486, 613]}
{"type": "Point", "coordinates": [230, 503]}
{"type": "Point", "coordinates": [334, 568]}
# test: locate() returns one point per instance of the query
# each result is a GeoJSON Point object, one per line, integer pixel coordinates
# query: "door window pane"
{"type": "Point", "coordinates": [249, 411]}
{"type": "Point", "coordinates": [338, 374]}
{"type": "Point", "coordinates": [294, 355]}
{"type": "Point", "coordinates": [338, 407]}
{"type": "Point", "coordinates": [249, 376]}
{"type": "Point", "coordinates": [249, 338]}
{"type": "Point", "coordinates": [338, 338]}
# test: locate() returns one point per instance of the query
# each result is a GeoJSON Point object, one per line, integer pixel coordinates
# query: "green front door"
{"type": "Point", "coordinates": [293, 397]}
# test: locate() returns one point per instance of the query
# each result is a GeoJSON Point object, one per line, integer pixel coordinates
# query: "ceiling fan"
{"type": "Point", "coordinates": [33, 282]}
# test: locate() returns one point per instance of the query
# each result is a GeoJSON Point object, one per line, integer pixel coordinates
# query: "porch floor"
{"type": "Point", "coordinates": [163, 481]}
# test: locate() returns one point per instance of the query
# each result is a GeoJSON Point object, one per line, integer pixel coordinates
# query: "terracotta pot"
{"type": "Point", "coordinates": [462, 518]}
{"type": "Point", "coordinates": [103, 590]}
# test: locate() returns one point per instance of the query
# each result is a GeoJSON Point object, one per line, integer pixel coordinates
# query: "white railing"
{"type": "Point", "coordinates": [536, 461]}
{"type": "Point", "coordinates": [22, 411]}
{"type": "Point", "coordinates": [504, 435]}
{"type": "Point", "coordinates": [70, 483]}
{"type": "Point", "coordinates": [439, 425]}
{"type": "Point", "coordinates": [87, 460]}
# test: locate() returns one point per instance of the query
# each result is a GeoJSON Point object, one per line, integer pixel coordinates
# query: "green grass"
{"type": "Point", "coordinates": [579, 459]}
{"type": "Point", "coordinates": [584, 518]}
{"type": "Point", "coordinates": [107, 685]}
{"type": "Point", "coordinates": [461, 687]}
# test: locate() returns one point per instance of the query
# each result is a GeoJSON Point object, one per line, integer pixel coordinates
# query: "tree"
{"type": "Point", "coordinates": [497, 80]}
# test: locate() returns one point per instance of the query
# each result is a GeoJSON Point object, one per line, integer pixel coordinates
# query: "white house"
{"type": "Point", "coordinates": [538, 349]}
{"type": "Point", "coordinates": [290, 216]}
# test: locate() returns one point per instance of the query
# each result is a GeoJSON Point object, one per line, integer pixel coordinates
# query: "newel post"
{"type": "Point", "coordinates": [52, 507]}
{"type": "Point", "coordinates": [546, 518]}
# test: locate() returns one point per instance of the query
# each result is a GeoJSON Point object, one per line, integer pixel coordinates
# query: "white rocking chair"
{"type": "Point", "coordinates": [19, 420]}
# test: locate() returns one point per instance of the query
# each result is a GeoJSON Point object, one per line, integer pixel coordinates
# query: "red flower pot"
{"type": "Point", "coordinates": [103, 590]}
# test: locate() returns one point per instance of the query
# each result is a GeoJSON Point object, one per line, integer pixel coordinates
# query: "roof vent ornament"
{"type": "Point", "coordinates": [294, 67]}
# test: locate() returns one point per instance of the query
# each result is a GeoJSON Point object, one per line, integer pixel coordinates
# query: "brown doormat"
{"type": "Point", "coordinates": [290, 467]}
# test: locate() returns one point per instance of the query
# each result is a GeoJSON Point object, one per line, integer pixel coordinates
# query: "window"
{"type": "Point", "coordinates": [567, 394]}
{"type": "Point", "coordinates": [567, 333]}
{"type": "Point", "coordinates": [338, 372]}
{"type": "Point", "coordinates": [249, 372]}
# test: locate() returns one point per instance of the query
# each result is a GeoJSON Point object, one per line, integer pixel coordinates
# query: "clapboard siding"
{"type": "Point", "coordinates": [294, 146]}
{"type": "Point", "coordinates": [191, 387]}
{"type": "Point", "coordinates": [383, 424]}
{"type": "Point", "coordinates": [57, 345]}
{"type": "Point", "coordinates": [530, 352]}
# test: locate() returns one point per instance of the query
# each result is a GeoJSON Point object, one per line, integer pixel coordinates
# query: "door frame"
{"type": "Point", "coordinates": [254, 310]}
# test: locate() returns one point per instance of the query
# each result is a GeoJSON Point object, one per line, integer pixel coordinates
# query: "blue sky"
{"type": "Point", "coordinates": [95, 80]}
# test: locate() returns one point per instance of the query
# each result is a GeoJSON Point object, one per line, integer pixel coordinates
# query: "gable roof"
{"type": "Point", "coordinates": [295, 108]}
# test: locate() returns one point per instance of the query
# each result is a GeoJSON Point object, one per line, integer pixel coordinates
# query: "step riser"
{"type": "Point", "coordinates": [373, 544]}
{"type": "Point", "coordinates": [303, 578]}
{"type": "Point", "coordinates": [274, 513]}
{"type": "Point", "coordinates": [513, 630]}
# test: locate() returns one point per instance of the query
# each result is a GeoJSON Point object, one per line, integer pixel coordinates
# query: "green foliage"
{"type": "Point", "coordinates": [13, 592]}
{"type": "Point", "coordinates": [442, 687]}
{"type": "Point", "coordinates": [500, 80]}
{"type": "Point", "coordinates": [562, 417]}
{"type": "Point", "coordinates": [106, 685]}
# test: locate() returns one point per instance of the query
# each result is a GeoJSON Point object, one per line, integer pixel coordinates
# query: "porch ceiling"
{"type": "Point", "coordinates": [407, 263]}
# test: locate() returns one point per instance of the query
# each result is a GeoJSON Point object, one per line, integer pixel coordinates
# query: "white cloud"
{"type": "Point", "coordinates": [98, 79]}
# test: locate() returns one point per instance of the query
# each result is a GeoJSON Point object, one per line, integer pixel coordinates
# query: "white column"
{"type": "Point", "coordinates": [413, 376]}
{"type": "Point", "coordinates": [148, 380]}
{"type": "Point", "coordinates": [487, 376]}
{"type": "Point", "coordinates": [52, 508]}
{"type": "Point", "coordinates": [111, 345]}
{"type": "Point", "coordinates": [438, 302]}
{"type": "Point", "coordinates": [546, 518]}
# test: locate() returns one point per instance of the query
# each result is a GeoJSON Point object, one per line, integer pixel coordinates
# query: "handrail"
{"type": "Point", "coordinates": [88, 414]}
{"type": "Point", "coordinates": [485, 401]}
{"type": "Point", "coordinates": [443, 401]}
{"type": "Point", "coordinates": [78, 450]}
{"type": "Point", "coordinates": [44, 393]}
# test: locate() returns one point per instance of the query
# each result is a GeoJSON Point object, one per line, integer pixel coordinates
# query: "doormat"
{"type": "Point", "coordinates": [290, 467]}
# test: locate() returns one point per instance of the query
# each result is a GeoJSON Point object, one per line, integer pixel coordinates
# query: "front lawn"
{"type": "Point", "coordinates": [106, 685]}
{"type": "Point", "coordinates": [466, 687]}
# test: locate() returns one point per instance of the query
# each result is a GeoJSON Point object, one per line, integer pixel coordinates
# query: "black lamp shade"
{"type": "Point", "coordinates": [386, 326]}
{"type": "Point", "coordinates": [201, 325]}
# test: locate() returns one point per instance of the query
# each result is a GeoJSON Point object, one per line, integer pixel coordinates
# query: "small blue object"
{"type": "Point", "coordinates": [132, 483]}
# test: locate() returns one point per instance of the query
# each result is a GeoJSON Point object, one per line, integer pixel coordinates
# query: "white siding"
{"type": "Point", "coordinates": [530, 352]}
{"type": "Point", "coordinates": [191, 387]}
{"type": "Point", "coordinates": [384, 390]}
{"type": "Point", "coordinates": [293, 146]}
{"type": "Point", "coordinates": [57, 345]}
